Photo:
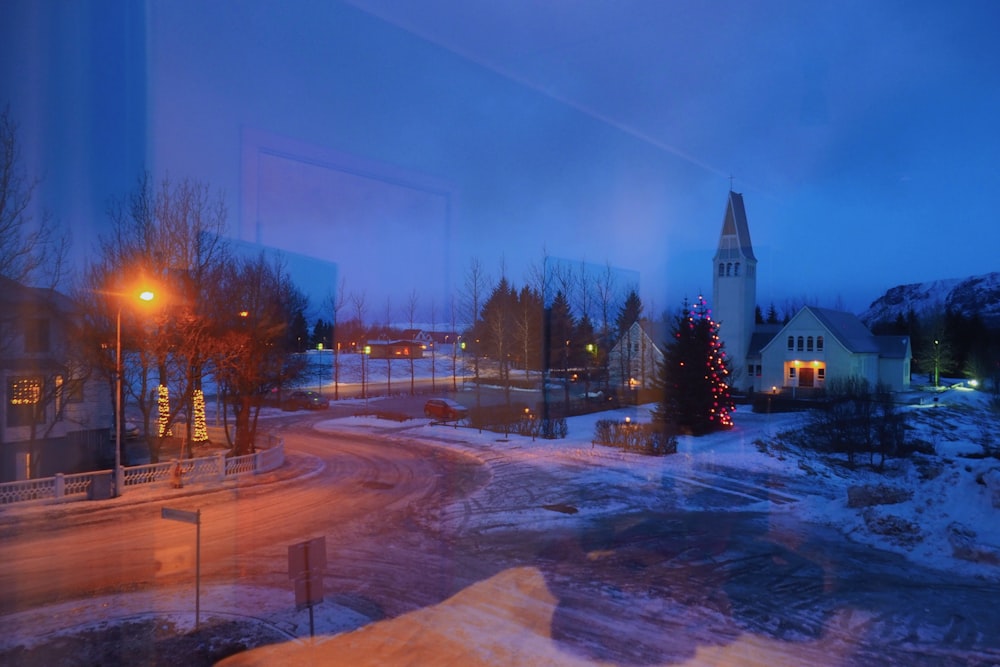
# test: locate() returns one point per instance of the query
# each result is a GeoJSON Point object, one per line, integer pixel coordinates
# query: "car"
{"type": "Point", "coordinates": [305, 400]}
{"type": "Point", "coordinates": [445, 409]}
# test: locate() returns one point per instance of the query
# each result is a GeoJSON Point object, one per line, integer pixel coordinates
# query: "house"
{"type": "Point", "coordinates": [431, 340]}
{"type": "Point", "coordinates": [395, 349]}
{"type": "Point", "coordinates": [635, 358]}
{"type": "Point", "coordinates": [55, 416]}
{"type": "Point", "coordinates": [815, 347]}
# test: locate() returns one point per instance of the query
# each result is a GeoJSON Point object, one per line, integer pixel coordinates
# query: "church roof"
{"type": "Point", "coordinates": [735, 230]}
{"type": "Point", "coordinates": [847, 328]}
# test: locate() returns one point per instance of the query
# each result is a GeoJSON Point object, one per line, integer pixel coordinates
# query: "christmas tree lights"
{"type": "Point", "coordinates": [199, 433]}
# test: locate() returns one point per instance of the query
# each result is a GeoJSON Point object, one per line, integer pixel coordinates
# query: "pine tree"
{"type": "Point", "coordinates": [693, 377]}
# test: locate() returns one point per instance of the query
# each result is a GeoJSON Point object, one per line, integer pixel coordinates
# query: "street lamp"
{"type": "Point", "coordinates": [145, 295]}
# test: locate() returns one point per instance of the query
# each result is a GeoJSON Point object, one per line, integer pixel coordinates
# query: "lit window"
{"type": "Point", "coordinates": [24, 396]}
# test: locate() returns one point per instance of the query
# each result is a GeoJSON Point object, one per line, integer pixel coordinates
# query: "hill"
{"type": "Point", "coordinates": [976, 294]}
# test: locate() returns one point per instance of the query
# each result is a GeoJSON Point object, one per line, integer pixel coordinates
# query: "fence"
{"type": "Point", "coordinates": [87, 485]}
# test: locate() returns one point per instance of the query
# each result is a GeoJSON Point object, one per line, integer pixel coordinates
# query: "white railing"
{"type": "Point", "coordinates": [205, 470]}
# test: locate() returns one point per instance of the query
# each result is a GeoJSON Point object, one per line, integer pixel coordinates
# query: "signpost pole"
{"type": "Point", "coordinates": [197, 572]}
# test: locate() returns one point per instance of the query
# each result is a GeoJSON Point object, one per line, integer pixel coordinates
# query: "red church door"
{"type": "Point", "coordinates": [806, 377]}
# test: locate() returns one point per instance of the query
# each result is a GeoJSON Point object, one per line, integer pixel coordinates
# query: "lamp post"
{"type": "Point", "coordinates": [145, 295]}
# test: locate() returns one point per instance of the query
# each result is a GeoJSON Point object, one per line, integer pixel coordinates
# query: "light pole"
{"type": "Point", "coordinates": [145, 295]}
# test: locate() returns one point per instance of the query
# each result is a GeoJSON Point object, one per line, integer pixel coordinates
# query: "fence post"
{"type": "Point", "coordinates": [60, 485]}
{"type": "Point", "coordinates": [221, 457]}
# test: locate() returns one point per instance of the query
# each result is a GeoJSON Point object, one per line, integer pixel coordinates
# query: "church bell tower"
{"type": "Point", "coordinates": [734, 289]}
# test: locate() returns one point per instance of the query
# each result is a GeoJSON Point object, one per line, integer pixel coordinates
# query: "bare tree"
{"type": "Point", "coordinates": [433, 314]}
{"type": "Point", "coordinates": [32, 251]}
{"type": "Point", "coordinates": [411, 314]}
{"type": "Point", "coordinates": [359, 305]}
{"type": "Point", "coordinates": [169, 238]}
{"type": "Point", "coordinates": [336, 303]}
{"type": "Point", "coordinates": [255, 355]}
{"type": "Point", "coordinates": [476, 284]}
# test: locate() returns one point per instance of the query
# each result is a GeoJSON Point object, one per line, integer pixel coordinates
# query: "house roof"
{"type": "Point", "coordinates": [761, 336]}
{"type": "Point", "coordinates": [657, 331]}
{"type": "Point", "coordinates": [735, 227]}
{"type": "Point", "coordinates": [846, 328]}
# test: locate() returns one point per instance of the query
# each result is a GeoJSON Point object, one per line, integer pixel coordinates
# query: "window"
{"type": "Point", "coordinates": [799, 344]}
{"type": "Point", "coordinates": [821, 373]}
{"type": "Point", "coordinates": [729, 269]}
{"type": "Point", "coordinates": [819, 343]}
{"type": "Point", "coordinates": [24, 398]}
{"type": "Point", "coordinates": [791, 372]}
{"type": "Point", "coordinates": [722, 269]}
{"type": "Point", "coordinates": [736, 269]}
{"type": "Point", "coordinates": [809, 344]}
{"type": "Point", "coordinates": [791, 342]}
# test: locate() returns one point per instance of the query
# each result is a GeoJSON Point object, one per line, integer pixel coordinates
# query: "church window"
{"type": "Point", "coordinates": [722, 269]}
{"type": "Point", "coordinates": [819, 343]}
{"type": "Point", "coordinates": [809, 344]}
{"type": "Point", "coordinates": [799, 344]}
{"type": "Point", "coordinates": [736, 269]}
{"type": "Point", "coordinates": [821, 374]}
{"type": "Point", "coordinates": [791, 342]}
{"type": "Point", "coordinates": [729, 268]}
{"type": "Point", "coordinates": [791, 372]}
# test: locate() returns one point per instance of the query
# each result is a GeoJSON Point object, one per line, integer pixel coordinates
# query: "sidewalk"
{"type": "Point", "coordinates": [27, 516]}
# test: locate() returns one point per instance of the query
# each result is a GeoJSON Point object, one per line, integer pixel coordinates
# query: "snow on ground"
{"type": "Point", "coordinates": [473, 628]}
{"type": "Point", "coordinates": [949, 505]}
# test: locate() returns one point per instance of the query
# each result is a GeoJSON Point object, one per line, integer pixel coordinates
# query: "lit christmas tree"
{"type": "Point", "coordinates": [694, 376]}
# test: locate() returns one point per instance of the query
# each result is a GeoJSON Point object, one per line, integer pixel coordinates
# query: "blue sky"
{"type": "Point", "coordinates": [400, 140]}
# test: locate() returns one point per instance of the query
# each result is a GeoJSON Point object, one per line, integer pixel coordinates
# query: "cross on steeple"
{"type": "Point", "coordinates": [730, 182]}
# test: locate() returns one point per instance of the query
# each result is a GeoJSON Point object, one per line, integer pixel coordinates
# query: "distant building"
{"type": "Point", "coordinates": [395, 349]}
{"type": "Point", "coordinates": [634, 359]}
{"type": "Point", "coordinates": [56, 416]}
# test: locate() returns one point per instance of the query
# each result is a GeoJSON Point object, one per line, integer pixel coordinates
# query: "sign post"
{"type": "Point", "coordinates": [306, 562]}
{"type": "Point", "coordinates": [184, 516]}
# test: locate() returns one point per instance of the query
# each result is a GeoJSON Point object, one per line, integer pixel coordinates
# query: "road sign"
{"type": "Point", "coordinates": [307, 558]}
{"type": "Point", "coordinates": [306, 562]}
{"type": "Point", "coordinates": [181, 515]}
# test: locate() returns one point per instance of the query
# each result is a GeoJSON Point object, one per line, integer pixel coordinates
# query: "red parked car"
{"type": "Point", "coordinates": [445, 409]}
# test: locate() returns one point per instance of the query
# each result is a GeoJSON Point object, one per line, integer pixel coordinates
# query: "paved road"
{"type": "Point", "coordinates": [645, 571]}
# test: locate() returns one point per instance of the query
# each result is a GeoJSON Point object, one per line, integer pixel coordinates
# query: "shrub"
{"type": "Point", "coordinates": [650, 439]}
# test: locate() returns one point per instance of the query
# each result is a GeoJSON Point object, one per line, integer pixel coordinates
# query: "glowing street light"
{"type": "Point", "coordinates": [145, 295]}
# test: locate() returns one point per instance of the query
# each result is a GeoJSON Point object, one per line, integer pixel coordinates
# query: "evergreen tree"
{"type": "Point", "coordinates": [772, 314]}
{"type": "Point", "coordinates": [693, 377]}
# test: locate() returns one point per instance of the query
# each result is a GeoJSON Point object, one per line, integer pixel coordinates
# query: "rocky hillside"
{"type": "Point", "coordinates": [976, 294]}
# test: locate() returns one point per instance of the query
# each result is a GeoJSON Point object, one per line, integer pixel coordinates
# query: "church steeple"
{"type": "Point", "coordinates": [734, 286]}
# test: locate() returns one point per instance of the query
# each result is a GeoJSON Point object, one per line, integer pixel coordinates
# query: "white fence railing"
{"type": "Point", "coordinates": [86, 485]}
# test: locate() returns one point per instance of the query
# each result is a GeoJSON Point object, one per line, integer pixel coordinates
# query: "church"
{"type": "Point", "coordinates": [817, 345]}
